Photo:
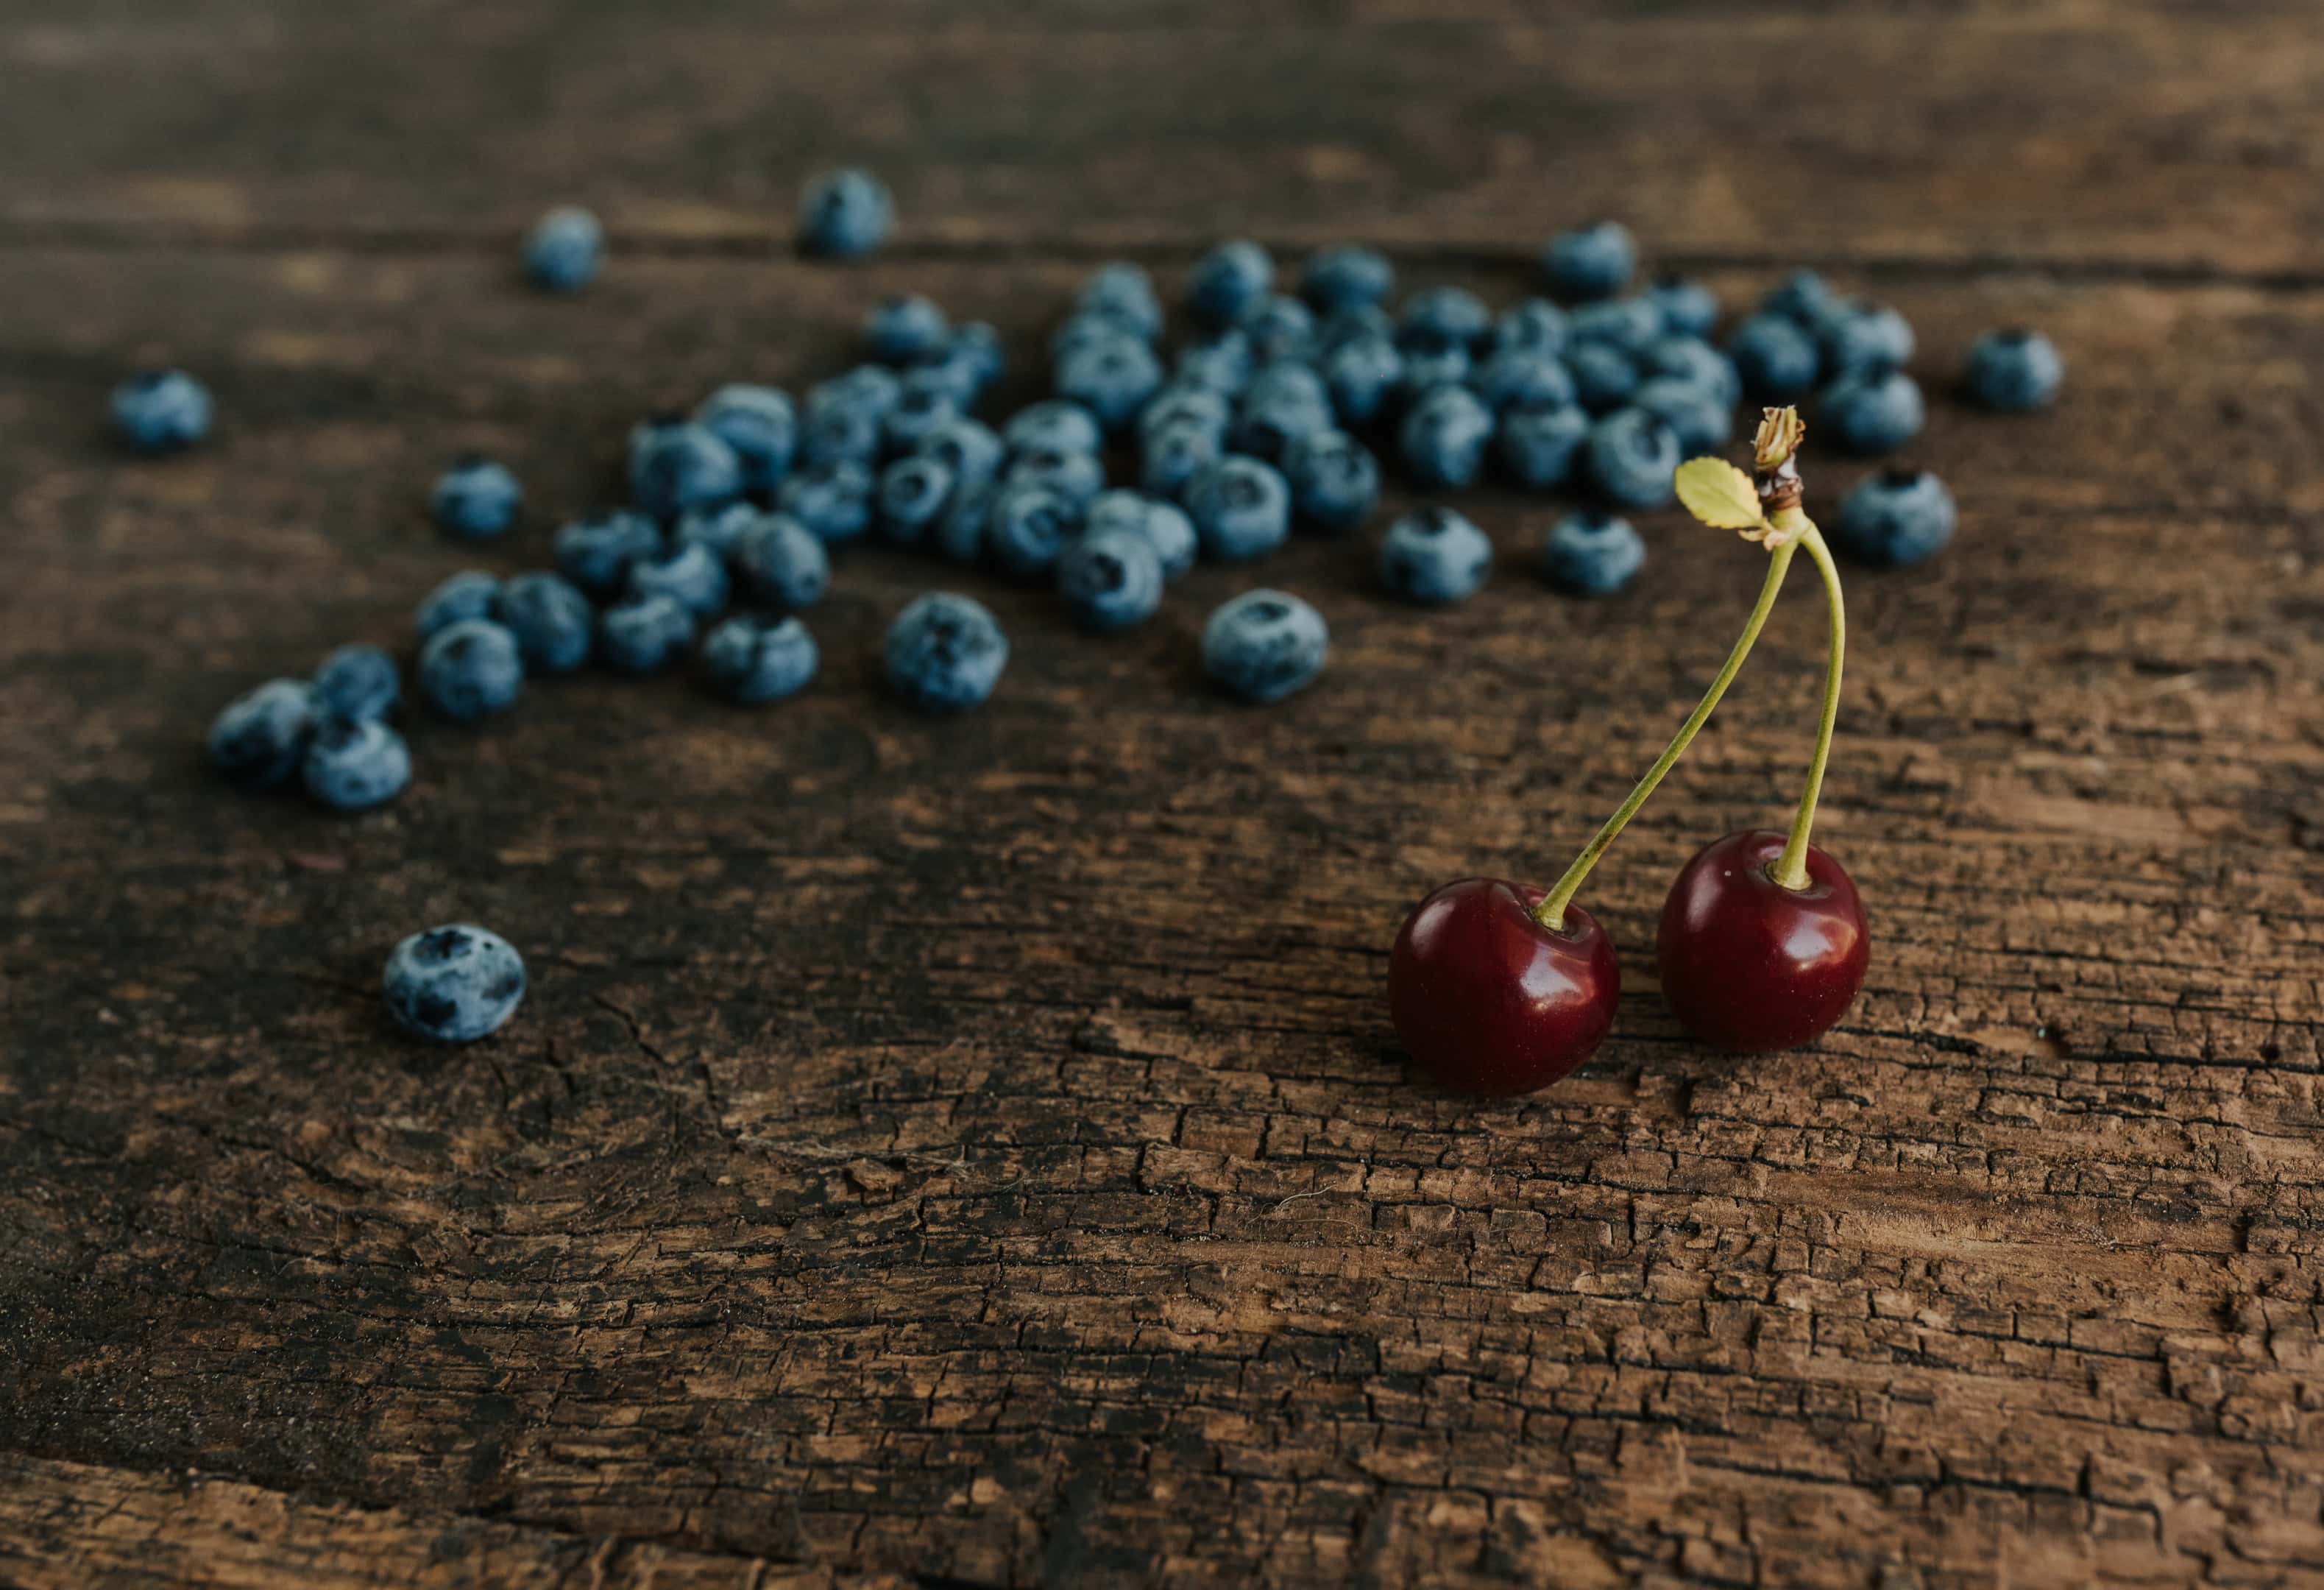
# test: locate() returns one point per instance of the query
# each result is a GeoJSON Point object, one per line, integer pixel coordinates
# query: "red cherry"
{"type": "Point", "coordinates": [1490, 1002]}
{"type": "Point", "coordinates": [1750, 966]}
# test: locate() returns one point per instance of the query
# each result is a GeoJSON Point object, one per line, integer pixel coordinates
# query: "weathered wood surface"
{"type": "Point", "coordinates": [974, 1152]}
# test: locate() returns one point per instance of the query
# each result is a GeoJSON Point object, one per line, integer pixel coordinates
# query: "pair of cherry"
{"type": "Point", "coordinates": [1502, 988]}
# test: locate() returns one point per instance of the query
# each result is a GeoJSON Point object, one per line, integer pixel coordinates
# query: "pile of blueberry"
{"type": "Point", "coordinates": [1274, 411]}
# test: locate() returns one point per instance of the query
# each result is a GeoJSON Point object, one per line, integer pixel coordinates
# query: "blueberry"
{"type": "Point", "coordinates": [260, 737]}
{"type": "Point", "coordinates": [1193, 406]}
{"type": "Point", "coordinates": [1361, 373]}
{"type": "Point", "coordinates": [1273, 419]}
{"type": "Point", "coordinates": [845, 214]}
{"type": "Point", "coordinates": [1110, 579]}
{"type": "Point", "coordinates": [1536, 324]}
{"type": "Point", "coordinates": [1241, 508]}
{"type": "Point", "coordinates": [676, 464]}
{"type": "Point", "coordinates": [1435, 556]}
{"type": "Point", "coordinates": [1365, 321]}
{"type": "Point", "coordinates": [1873, 411]}
{"type": "Point", "coordinates": [779, 561]}
{"type": "Point", "coordinates": [833, 501]}
{"type": "Point", "coordinates": [1443, 317]}
{"type": "Point", "coordinates": [1595, 261]}
{"type": "Point", "coordinates": [1591, 554]}
{"type": "Point", "coordinates": [1122, 292]}
{"type": "Point", "coordinates": [1634, 324]}
{"type": "Point", "coordinates": [453, 983]}
{"type": "Point", "coordinates": [1427, 368]}
{"type": "Point", "coordinates": [760, 424]}
{"type": "Point", "coordinates": [1334, 480]}
{"type": "Point", "coordinates": [356, 684]}
{"type": "Point", "coordinates": [1689, 308]}
{"type": "Point", "coordinates": [1696, 416]}
{"type": "Point", "coordinates": [1539, 447]}
{"type": "Point", "coordinates": [1776, 359]}
{"type": "Point", "coordinates": [715, 530]}
{"type": "Point", "coordinates": [161, 411]}
{"type": "Point", "coordinates": [1802, 297]}
{"type": "Point", "coordinates": [1164, 526]}
{"type": "Point", "coordinates": [1348, 277]}
{"type": "Point", "coordinates": [1265, 644]}
{"type": "Point", "coordinates": [356, 766]}
{"type": "Point", "coordinates": [1632, 456]}
{"type": "Point", "coordinates": [752, 659]}
{"type": "Point", "coordinates": [975, 352]}
{"type": "Point", "coordinates": [1861, 336]}
{"type": "Point", "coordinates": [1030, 524]}
{"type": "Point", "coordinates": [2015, 370]}
{"type": "Point", "coordinates": [564, 249]}
{"type": "Point", "coordinates": [841, 433]}
{"type": "Point", "coordinates": [924, 407]}
{"type": "Point", "coordinates": [1286, 380]}
{"type": "Point", "coordinates": [967, 447]}
{"type": "Point", "coordinates": [959, 533]}
{"type": "Point", "coordinates": [1055, 426]}
{"type": "Point", "coordinates": [471, 669]}
{"type": "Point", "coordinates": [1220, 363]}
{"type": "Point", "coordinates": [1690, 358]}
{"type": "Point", "coordinates": [550, 619]}
{"type": "Point", "coordinates": [1087, 329]}
{"type": "Point", "coordinates": [913, 494]}
{"type": "Point", "coordinates": [1604, 376]}
{"type": "Point", "coordinates": [477, 499]}
{"type": "Point", "coordinates": [870, 389]}
{"type": "Point", "coordinates": [1279, 327]}
{"type": "Point", "coordinates": [692, 577]}
{"type": "Point", "coordinates": [1524, 378]}
{"type": "Point", "coordinates": [1074, 475]}
{"type": "Point", "coordinates": [595, 553]}
{"type": "Point", "coordinates": [904, 329]}
{"type": "Point", "coordinates": [1228, 281]}
{"type": "Point", "coordinates": [1171, 455]}
{"type": "Point", "coordinates": [1112, 379]}
{"type": "Point", "coordinates": [945, 652]}
{"type": "Point", "coordinates": [1444, 436]}
{"type": "Point", "coordinates": [470, 594]}
{"type": "Point", "coordinates": [1895, 517]}
{"type": "Point", "coordinates": [644, 634]}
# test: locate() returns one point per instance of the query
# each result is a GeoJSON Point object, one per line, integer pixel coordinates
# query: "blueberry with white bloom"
{"type": "Point", "coordinates": [551, 620]}
{"type": "Point", "coordinates": [356, 684]}
{"type": "Point", "coordinates": [845, 214]}
{"type": "Point", "coordinates": [1696, 416]}
{"type": "Point", "coordinates": [1222, 363]}
{"type": "Point", "coordinates": [968, 448]}
{"type": "Point", "coordinates": [1689, 308]}
{"type": "Point", "coordinates": [477, 498]}
{"type": "Point", "coordinates": [1334, 480]}
{"type": "Point", "coordinates": [644, 634]}
{"type": "Point", "coordinates": [1895, 517]}
{"type": "Point", "coordinates": [1802, 297]}
{"type": "Point", "coordinates": [1860, 336]}
{"type": "Point", "coordinates": [1279, 327]}
{"type": "Point", "coordinates": [1029, 526]}
{"type": "Point", "coordinates": [778, 560]}
{"type": "Point", "coordinates": [1110, 579]}
{"type": "Point", "coordinates": [356, 766]}
{"type": "Point", "coordinates": [161, 411]}
{"type": "Point", "coordinates": [715, 530]}
{"type": "Point", "coordinates": [1241, 508]}
{"type": "Point", "coordinates": [945, 652]}
{"type": "Point", "coordinates": [1690, 358]}
{"type": "Point", "coordinates": [1775, 357]}
{"type": "Point", "coordinates": [1539, 446]}
{"type": "Point", "coordinates": [1443, 317]}
{"type": "Point", "coordinates": [959, 534]}
{"type": "Point", "coordinates": [834, 500]}
{"type": "Point", "coordinates": [564, 249]}
{"type": "Point", "coordinates": [471, 669]}
{"type": "Point", "coordinates": [1591, 554]}
{"type": "Point", "coordinates": [913, 495]}
{"type": "Point", "coordinates": [1536, 324]}
{"type": "Point", "coordinates": [1346, 277]}
{"type": "Point", "coordinates": [1873, 411]}
{"type": "Point", "coordinates": [1632, 456]}
{"type": "Point", "coordinates": [2015, 370]}
{"type": "Point", "coordinates": [1630, 324]}
{"type": "Point", "coordinates": [1265, 644]}
{"type": "Point", "coordinates": [1361, 374]}
{"type": "Point", "coordinates": [1193, 406]}
{"type": "Point", "coordinates": [470, 594]}
{"type": "Point", "coordinates": [759, 423]}
{"type": "Point", "coordinates": [1593, 262]}
{"type": "Point", "coordinates": [1171, 455]}
{"type": "Point", "coordinates": [260, 738]}
{"type": "Point", "coordinates": [1074, 476]}
{"type": "Point", "coordinates": [676, 464]}
{"type": "Point", "coordinates": [1111, 378]}
{"type": "Point", "coordinates": [595, 553]}
{"type": "Point", "coordinates": [1164, 526]}
{"type": "Point", "coordinates": [453, 983]}
{"type": "Point", "coordinates": [1604, 376]}
{"type": "Point", "coordinates": [692, 576]}
{"type": "Point", "coordinates": [1228, 282]}
{"type": "Point", "coordinates": [1428, 366]}
{"type": "Point", "coordinates": [755, 660]}
{"type": "Point", "coordinates": [1523, 377]}
{"type": "Point", "coordinates": [924, 407]}
{"type": "Point", "coordinates": [905, 329]}
{"type": "Point", "coordinates": [1122, 292]}
{"type": "Point", "coordinates": [1444, 436]}
{"type": "Point", "coordinates": [1054, 424]}
{"type": "Point", "coordinates": [1435, 556]}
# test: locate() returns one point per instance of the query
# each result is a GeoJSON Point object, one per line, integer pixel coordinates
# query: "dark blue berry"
{"type": "Point", "coordinates": [1122, 292]}
{"type": "Point", "coordinates": [1346, 277]}
{"type": "Point", "coordinates": [1087, 329]}
{"type": "Point", "coordinates": [595, 553]}
{"type": "Point", "coordinates": [1633, 456]}
{"type": "Point", "coordinates": [1222, 363]}
{"type": "Point", "coordinates": [924, 407]}
{"type": "Point", "coordinates": [1604, 376]}
{"type": "Point", "coordinates": [471, 669]}
{"type": "Point", "coordinates": [1444, 436]}
{"type": "Point", "coordinates": [1164, 526]}
{"type": "Point", "coordinates": [779, 561]}
{"type": "Point", "coordinates": [833, 501]}
{"type": "Point", "coordinates": [470, 594]}
{"type": "Point", "coordinates": [644, 634]}
{"type": "Point", "coordinates": [1591, 554]}
{"type": "Point", "coordinates": [356, 766]}
{"type": "Point", "coordinates": [1802, 297]}
{"type": "Point", "coordinates": [1110, 579]}
{"type": "Point", "coordinates": [1241, 508]}
{"type": "Point", "coordinates": [2015, 370]}
{"type": "Point", "coordinates": [1539, 447]}
{"type": "Point", "coordinates": [1630, 324]}
{"type": "Point", "coordinates": [1442, 316]}
{"type": "Point", "coordinates": [974, 358]}
{"type": "Point", "coordinates": [1594, 262]}
{"type": "Point", "coordinates": [1895, 517]}
{"type": "Point", "coordinates": [1334, 480]}
{"type": "Point", "coordinates": [550, 619]}
{"type": "Point", "coordinates": [945, 652]}
{"type": "Point", "coordinates": [760, 424]}
{"type": "Point", "coordinates": [841, 433]}
{"type": "Point", "coordinates": [913, 494]}
{"type": "Point", "coordinates": [562, 253]}
{"type": "Point", "coordinates": [453, 983]}
{"type": "Point", "coordinates": [1228, 281]}
{"type": "Point", "coordinates": [1193, 406]}
{"type": "Point", "coordinates": [967, 447]}
{"type": "Point", "coordinates": [1076, 476]}
{"type": "Point", "coordinates": [1860, 336]}
{"type": "Point", "coordinates": [1696, 414]}
{"type": "Point", "coordinates": [845, 214]}
{"type": "Point", "coordinates": [1280, 327]}
{"type": "Point", "coordinates": [477, 499]}
{"type": "Point", "coordinates": [1273, 418]}
{"type": "Point", "coordinates": [675, 464]}
{"type": "Point", "coordinates": [692, 577]}
{"type": "Point", "coordinates": [1054, 426]}
{"type": "Point", "coordinates": [260, 737]}
{"type": "Point", "coordinates": [715, 530]}
{"type": "Point", "coordinates": [1286, 380]}
{"type": "Point", "coordinates": [753, 660]}
{"type": "Point", "coordinates": [1029, 525]}
{"type": "Point", "coordinates": [1367, 321]}
{"type": "Point", "coordinates": [161, 411]}
{"type": "Point", "coordinates": [356, 684]}
{"type": "Point", "coordinates": [1361, 374]}
{"type": "Point", "coordinates": [1688, 307]}
{"type": "Point", "coordinates": [959, 533]}
{"type": "Point", "coordinates": [1435, 556]}
{"type": "Point", "coordinates": [1775, 357]}
{"type": "Point", "coordinates": [1171, 455]}
{"type": "Point", "coordinates": [1522, 377]}
{"type": "Point", "coordinates": [1113, 379]}
{"type": "Point", "coordinates": [904, 329]}
{"type": "Point", "coordinates": [1873, 411]}
{"type": "Point", "coordinates": [1265, 644]}
{"type": "Point", "coordinates": [870, 389]}
{"type": "Point", "coordinates": [1536, 325]}
{"type": "Point", "coordinates": [1690, 358]}
{"type": "Point", "coordinates": [1427, 368]}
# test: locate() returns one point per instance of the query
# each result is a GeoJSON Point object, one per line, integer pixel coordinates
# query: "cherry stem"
{"type": "Point", "coordinates": [1791, 868]}
{"type": "Point", "coordinates": [1551, 912]}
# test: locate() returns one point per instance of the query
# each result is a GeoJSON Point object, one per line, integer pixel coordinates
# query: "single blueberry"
{"type": "Point", "coordinates": [945, 652]}
{"type": "Point", "coordinates": [1361, 374]}
{"type": "Point", "coordinates": [1775, 357]}
{"type": "Point", "coordinates": [1630, 324]}
{"type": "Point", "coordinates": [1112, 579]}
{"type": "Point", "coordinates": [1539, 447]}
{"type": "Point", "coordinates": [471, 669]}
{"type": "Point", "coordinates": [1074, 475]}
{"type": "Point", "coordinates": [840, 433]}
{"type": "Point", "coordinates": [1696, 414]}
{"type": "Point", "coordinates": [453, 983]}
{"type": "Point", "coordinates": [1088, 328]}
{"type": "Point", "coordinates": [1524, 378]}
{"type": "Point", "coordinates": [1895, 517]}
{"type": "Point", "coordinates": [760, 424]}
{"type": "Point", "coordinates": [1164, 526]}
{"type": "Point", "coordinates": [1222, 363]}
{"type": "Point", "coordinates": [470, 594]}
{"type": "Point", "coordinates": [550, 619]}
{"type": "Point", "coordinates": [1124, 293]}
{"type": "Point", "coordinates": [161, 411]}
{"type": "Point", "coordinates": [924, 407]}
{"type": "Point", "coordinates": [1873, 411]}
{"type": "Point", "coordinates": [1442, 316]}
{"type": "Point", "coordinates": [1113, 379]}
{"type": "Point", "coordinates": [1633, 454]}
{"type": "Point", "coordinates": [1690, 358]}
{"type": "Point", "coordinates": [975, 353]}
{"type": "Point", "coordinates": [968, 448]}
{"type": "Point", "coordinates": [1364, 321]}
{"type": "Point", "coordinates": [845, 214]}
{"type": "Point", "coordinates": [833, 501]}
{"type": "Point", "coordinates": [1239, 506]}
{"type": "Point", "coordinates": [1591, 554]}
{"type": "Point", "coordinates": [1802, 297]}
{"type": "Point", "coordinates": [959, 533]}
{"type": "Point", "coordinates": [1604, 376]}
{"type": "Point", "coordinates": [563, 250]}
{"type": "Point", "coordinates": [260, 737]}
{"type": "Point", "coordinates": [1265, 644]}
{"type": "Point", "coordinates": [356, 684]}
{"type": "Point", "coordinates": [779, 561]}
{"type": "Point", "coordinates": [1334, 480]}
{"type": "Point", "coordinates": [1347, 277]}
{"type": "Point", "coordinates": [1426, 368]}
{"type": "Point", "coordinates": [692, 576]}
{"type": "Point", "coordinates": [870, 389]}
{"type": "Point", "coordinates": [676, 464]}
{"type": "Point", "coordinates": [1594, 262]}
{"type": "Point", "coordinates": [1435, 556]}
{"type": "Point", "coordinates": [356, 766]}
{"type": "Point", "coordinates": [752, 660]}
{"type": "Point", "coordinates": [905, 329]}
{"type": "Point", "coordinates": [1279, 327]}
{"type": "Point", "coordinates": [1029, 525]}
{"type": "Point", "coordinates": [1860, 336]}
{"type": "Point", "coordinates": [2015, 370]}
{"type": "Point", "coordinates": [595, 553]}
{"type": "Point", "coordinates": [1444, 436]}
{"type": "Point", "coordinates": [1273, 419]}
{"type": "Point", "coordinates": [1536, 324]}
{"type": "Point", "coordinates": [1193, 405]}
{"type": "Point", "coordinates": [1053, 425]}
{"type": "Point", "coordinates": [715, 530]}
{"type": "Point", "coordinates": [1286, 380]}
{"type": "Point", "coordinates": [913, 494]}
{"type": "Point", "coordinates": [1689, 308]}
{"type": "Point", "coordinates": [1228, 281]}
{"type": "Point", "coordinates": [477, 499]}
{"type": "Point", "coordinates": [1171, 455]}
{"type": "Point", "coordinates": [643, 634]}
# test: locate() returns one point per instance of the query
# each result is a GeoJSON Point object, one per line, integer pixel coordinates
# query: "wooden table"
{"type": "Point", "coordinates": [974, 1152]}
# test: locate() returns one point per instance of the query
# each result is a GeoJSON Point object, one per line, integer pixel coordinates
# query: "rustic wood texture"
{"type": "Point", "coordinates": [974, 1152]}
